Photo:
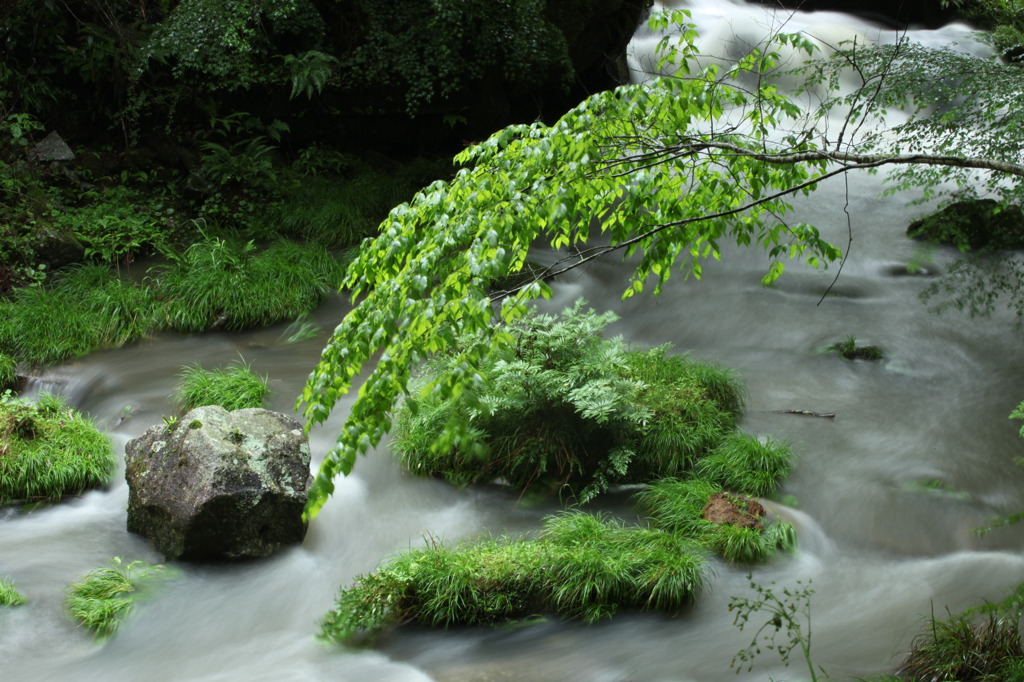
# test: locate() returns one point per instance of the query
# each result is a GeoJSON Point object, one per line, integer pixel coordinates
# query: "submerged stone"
{"type": "Point", "coordinates": [971, 225]}
{"type": "Point", "coordinates": [219, 485]}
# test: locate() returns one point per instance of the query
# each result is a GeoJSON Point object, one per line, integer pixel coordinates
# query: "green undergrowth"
{"type": "Point", "coordinates": [8, 371]}
{"type": "Point", "coordinates": [227, 283]}
{"type": "Point", "coordinates": [49, 451]}
{"type": "Point", "coordinates": [9, 595]}
{"type": "Point", "coordinates": [233, 387]}
{"type": "Point", "coordinates": [81, 309]}
{"type": "Point", "coordinates": [565, 409]}
{"type": "Point", "coordinates": [981, 644]}
{"type": "Point", "coordinates": [105, 596]}
{"type": "Point", "coordinates": [562, 408]}
{"type": "Point", "coordinates": [218, 283]}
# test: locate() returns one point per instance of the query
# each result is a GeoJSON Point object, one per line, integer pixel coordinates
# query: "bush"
{"type": "Point", "coordinates": [105, 596]}
{"type": "Point", "coordinates": [48, 451]}
{"type": "Point", "coordinates": [9, 595]}
{"type": "Point", "coordinates": [563, 406]}
{"type": "Point", "coordinates": [223, 283]}
{"type": "Point", "coordinates": [233, 388]}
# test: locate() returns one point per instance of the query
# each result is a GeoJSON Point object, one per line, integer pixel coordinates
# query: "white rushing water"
{"type": "Point", "coordinates": [880, 547]}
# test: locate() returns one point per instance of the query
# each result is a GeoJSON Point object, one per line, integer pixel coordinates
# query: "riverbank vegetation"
{"type": "Point", "coordinates": [49, 451]}
{"type": "Point", "coordinates": [105, 596]}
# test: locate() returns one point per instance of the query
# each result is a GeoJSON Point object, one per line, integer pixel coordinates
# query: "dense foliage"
{"type": "Point", "coordinates": [49, 451]}
{"type": "Point", "coordinates": [561, 408]}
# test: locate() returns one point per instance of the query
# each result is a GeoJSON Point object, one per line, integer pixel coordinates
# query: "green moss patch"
{"type": "Point", "coordinates": [105, 596]}
{"type": "Point", "coordinates": [564, 409]}
{"type": "Point", "coordinates": [48, 451]}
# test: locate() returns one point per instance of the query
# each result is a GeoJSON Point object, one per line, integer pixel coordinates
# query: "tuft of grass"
{"type": "Point", "coordinates": [9, 595]}
{"type": "Point", "coordinates": [8, 371]}
{"type": "Point", "coordinates": [964, 649]}
{"type": "Point", "coordinates": [849, 350]}
{"type": "Point", "coordinates": [233, 388]}
{"type": "Point", "coordinates": [581, 566]}
{"type": "Point", "coordinates": [105, 596]}
{"type": "Point", "coordinates": [81, 309]}
{"type": "Point", "coordinates": [225, 283]}
{"type": "Point", "coordinates": [745, 464]}
{"type": "Point", "coordinates": [677, 506]}
{"type": "Point", "coordinates": [48, 451]}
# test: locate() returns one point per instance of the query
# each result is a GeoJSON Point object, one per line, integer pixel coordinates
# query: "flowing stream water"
{"type": "Point", "coordinates": [881, 547]}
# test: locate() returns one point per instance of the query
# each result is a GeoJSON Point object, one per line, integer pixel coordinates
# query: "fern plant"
{"type": "Point", "coordinates": [564, 407]}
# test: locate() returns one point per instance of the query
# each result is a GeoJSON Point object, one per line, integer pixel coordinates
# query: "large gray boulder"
{"type": "Point", "coordinates": [218, 484]}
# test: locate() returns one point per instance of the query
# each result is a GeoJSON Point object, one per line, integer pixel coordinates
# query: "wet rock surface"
{"type": "Point", "coordinates": [219, 485]}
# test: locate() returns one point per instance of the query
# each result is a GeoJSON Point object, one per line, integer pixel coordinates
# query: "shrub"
{"type": "Point", "coordinates": [563, 406]}
{"type": "Point", "coordinates": [105, 596]}
{"type": "Point", "coordinates": [48, 451]}
{"type": "Point", "coordinates": [223, 283]}
{"type": "Point", "coordinates": [9, 595]}
{"type": "Point", "coordinates": [233, 388]}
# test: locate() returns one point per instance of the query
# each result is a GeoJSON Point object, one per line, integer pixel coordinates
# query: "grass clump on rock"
{"type": "Point", "coordinates": [9, 595]}
{"type": "Point", "coordinates": [563, 408]}
{"type": "Point", "coordinates": [580, 566]}
{"type": "Point", "coordinates": [48, 451]}
{"type": "Point", "coordinates": [233, 387]}
{"type": "Point", "coordinates": [105, 596]}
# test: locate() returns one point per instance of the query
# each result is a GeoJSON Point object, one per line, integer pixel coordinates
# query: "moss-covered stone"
{"type": "Point", "coordinates": [233, 485]}
{"type": "Point", "coordinates": [972, 225]}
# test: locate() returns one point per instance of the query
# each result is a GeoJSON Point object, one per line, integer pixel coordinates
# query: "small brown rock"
{"type": "Point", "coordinates": [736, 510]}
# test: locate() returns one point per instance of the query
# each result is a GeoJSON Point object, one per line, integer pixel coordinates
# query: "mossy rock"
{"type": "Point", "coordinates": [49, 451]}
{"type": "Point", "coordinates": [972, 225]}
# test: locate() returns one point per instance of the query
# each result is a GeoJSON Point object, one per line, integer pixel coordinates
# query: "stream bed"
{"type": "Point", "coordinates": [885, 495]}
